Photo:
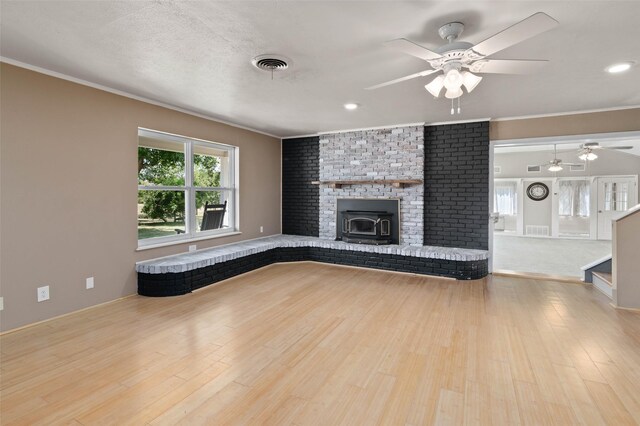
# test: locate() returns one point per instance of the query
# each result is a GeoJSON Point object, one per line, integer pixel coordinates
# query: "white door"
{"type": "Point", "coordinates": [615, 196]}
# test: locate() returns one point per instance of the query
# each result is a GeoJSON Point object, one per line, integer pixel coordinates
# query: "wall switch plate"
{"type": "Point", "coordinates": [1, 303]}
{"type": "Point", "coordinates": [43, 293]}
{"type": "Point", "coordinates": [261, 229]}
{"type": "Point", "coordinates": [89, 283]}
{"type": "Point", "coordinates": [193, 247]}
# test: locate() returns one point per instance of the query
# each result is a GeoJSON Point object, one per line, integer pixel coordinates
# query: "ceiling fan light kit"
{"type": "Point", "coordinates": [453, 93]}
{"type": "Point", "coordinates": [588, 155]}
{"type": "Point", "coordinates": [457, 59]}
{"type": "Point", "coordinates": [587, 150]}
{"type": "Point", "coordinates": [556, 164]}
{"type": "Point", "coordinates": [470, 80]}
{"type": "Point", "coordinates": [435, 87]}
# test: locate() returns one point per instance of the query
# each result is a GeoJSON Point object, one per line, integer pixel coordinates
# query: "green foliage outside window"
{"type": "Point", "coordinates": [167, 168]}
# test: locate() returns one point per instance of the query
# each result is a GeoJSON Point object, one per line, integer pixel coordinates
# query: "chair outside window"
{"type": "Point", "coordinates": [212, 218]}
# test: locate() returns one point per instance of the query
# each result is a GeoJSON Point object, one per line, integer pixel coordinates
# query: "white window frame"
{"type": "Point", "coordinates": [191, 232]}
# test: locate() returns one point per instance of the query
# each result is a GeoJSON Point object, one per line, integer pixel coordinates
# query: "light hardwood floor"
{"type": "Point", "coordinates": [309, 343]}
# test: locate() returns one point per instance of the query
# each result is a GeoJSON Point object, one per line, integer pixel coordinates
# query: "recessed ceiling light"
{"type": "Point", "coordinates": [350, 106]}
{"type": "Point", "coordinates": [620, 67]}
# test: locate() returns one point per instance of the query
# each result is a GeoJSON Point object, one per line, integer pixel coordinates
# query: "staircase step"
{"type": "Point", "coordinates": [602, 282]}
{"type": "Point", "coordinates": [604, 276]}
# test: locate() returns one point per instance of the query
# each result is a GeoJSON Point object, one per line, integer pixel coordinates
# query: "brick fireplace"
{"type": "Point", "coordinates": [376, 154]}
{"type": "Point", "coordinates": [449, 209]}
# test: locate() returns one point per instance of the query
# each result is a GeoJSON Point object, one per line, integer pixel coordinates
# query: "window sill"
{"type": "Point", "coordinates": [190, 240]}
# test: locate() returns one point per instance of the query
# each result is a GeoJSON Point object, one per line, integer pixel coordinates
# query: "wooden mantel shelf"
{"type": "Point", "coordinates": [398, 183]}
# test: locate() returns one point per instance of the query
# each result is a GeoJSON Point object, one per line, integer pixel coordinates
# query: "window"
{"type": "Point", "coordinates": [574, 198]}
{"type": "Point", "coordinates": [186, 188]}
{"type": "Point", "coordinates": [616, 196]}
{"type": "Point", "coordinates": [505, 198]}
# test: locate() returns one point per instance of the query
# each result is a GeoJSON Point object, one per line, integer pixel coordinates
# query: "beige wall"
{"type": "Point", "coordinates": [69, 191]}
{"type": "Point", "coordinates": [626, 268]}
{"type": "Point", "coordinates": [626, 120]}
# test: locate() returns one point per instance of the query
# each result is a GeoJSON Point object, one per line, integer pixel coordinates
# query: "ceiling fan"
{"type": "Point", "coordinates": [456, 57]}
{"type": "Point", "coordinates": [586, 150]}
{"type": "Point", "coordinates": [556, 164]}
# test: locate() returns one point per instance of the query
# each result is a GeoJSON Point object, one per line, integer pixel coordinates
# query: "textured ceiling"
{"type": "Point", "coordinates": [197, 56]}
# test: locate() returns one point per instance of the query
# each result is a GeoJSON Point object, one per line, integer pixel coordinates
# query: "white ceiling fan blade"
{"type": "Point", "coordinates": [618, 147]}
{"type": "Point", "coordinates": [401, 79]}
{"type": "Point", "coordinates": [523, 30]}
{"type": "Point", "coordinates": [507, 66]}
{"type": "Point", "coordinates": [413, 49]}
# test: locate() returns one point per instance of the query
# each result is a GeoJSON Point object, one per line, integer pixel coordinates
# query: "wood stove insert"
{"type": "Point", "coordinates": [366, 227]}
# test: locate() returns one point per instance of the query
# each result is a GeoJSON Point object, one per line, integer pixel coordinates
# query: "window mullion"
{"type": "Point", "coordinates": [212, 188]}
{"type": "Point", "coordinates": [190, 204]}
{"type": "Point", "coordinates": [160, 188]}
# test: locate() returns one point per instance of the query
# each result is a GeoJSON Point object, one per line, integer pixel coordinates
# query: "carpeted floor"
{"type": "Point", "coordinates": [554, 256]}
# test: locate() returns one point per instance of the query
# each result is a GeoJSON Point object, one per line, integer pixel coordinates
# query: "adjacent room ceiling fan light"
{"type": "Point", "coordinates": [586, 152]}
{"type": "Point", "coordinates": [556, 164]}
{"type": "Point", "coordinates": [460, 61]}
{"type": "Point", "coordinates": [588, 155]}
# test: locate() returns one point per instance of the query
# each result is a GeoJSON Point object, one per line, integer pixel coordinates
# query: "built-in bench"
{"type": "Point", "coordinates": [183, 273]}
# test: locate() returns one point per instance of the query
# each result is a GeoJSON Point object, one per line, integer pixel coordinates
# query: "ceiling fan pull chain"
{"type": "Point", "coordinates": [452, 111]}
{"type": "Point", "coordinates": [458, 105]}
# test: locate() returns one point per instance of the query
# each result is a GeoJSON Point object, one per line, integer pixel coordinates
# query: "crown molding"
{"type": "Point", "coordinates": [560, 114]}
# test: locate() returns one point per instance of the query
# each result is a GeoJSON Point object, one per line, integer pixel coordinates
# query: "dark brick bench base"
{"type": "Point", "coordinates": [173, 284]}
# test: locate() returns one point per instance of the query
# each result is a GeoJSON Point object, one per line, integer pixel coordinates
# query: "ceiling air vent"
{"type": "Point", "coordinates": [534, 169]}
{"type": "Point", "coordinates": [270, 63]}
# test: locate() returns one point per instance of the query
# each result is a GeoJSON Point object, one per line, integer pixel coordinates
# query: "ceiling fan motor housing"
{"type": "Point", "coordinates": [453, 56]}
{"type": "Point", "coordinates": [451, 31]}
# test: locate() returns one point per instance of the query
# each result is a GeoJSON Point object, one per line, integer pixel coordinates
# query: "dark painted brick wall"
{"type": "Point", "coordinates": [300, 199]}
{"type": "Point", "coordinates": [456, 185]}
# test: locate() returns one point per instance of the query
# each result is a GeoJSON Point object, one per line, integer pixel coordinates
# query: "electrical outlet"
{"type": "Point", "coordinates": [43, 293]}
{"type": "Point", "coordinates": [193, 247]}
{"type": "Point", "coordinates": [89, 283]}
{"type": "Point", "coordinates": [261, 229]}
{"type": "Point", "coordinates": [1, 303]}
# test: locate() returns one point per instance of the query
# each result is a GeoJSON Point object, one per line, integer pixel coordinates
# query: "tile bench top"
{"type": "Point", "coordinates": [193, 260]}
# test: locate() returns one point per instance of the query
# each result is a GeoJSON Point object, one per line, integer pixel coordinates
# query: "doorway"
{"type": "Point", "coordinates": [615, 196]}
{"type": "Point", "coordinates": [564, 221]}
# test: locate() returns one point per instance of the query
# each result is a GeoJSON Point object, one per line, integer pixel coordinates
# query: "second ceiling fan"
{"type": "Point", "coordinates": [587, 151]}
{"type": "Point", "coordinates": [459, 60]}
